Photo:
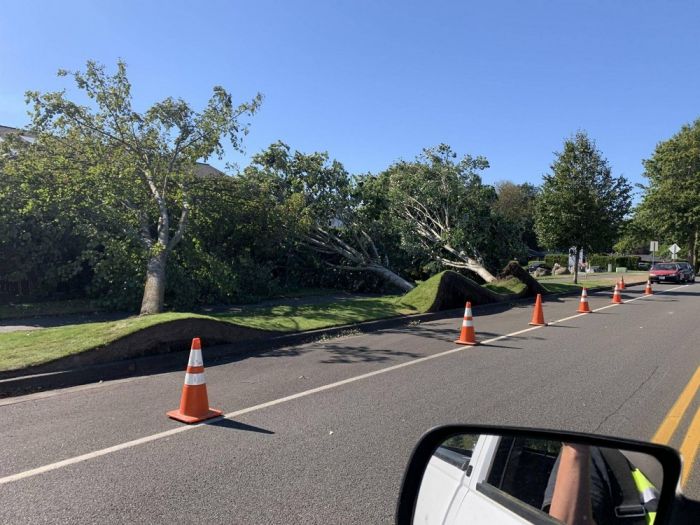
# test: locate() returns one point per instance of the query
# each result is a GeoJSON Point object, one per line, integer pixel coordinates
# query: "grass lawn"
{"type": "Point", "coordinates": [562, 283]}
{"type": "Point", "coordinates": [25, 348]}
{"type": "Point", "coordinates": [423, 295]}
{"type": "Point", "coordinates": [286, 318]}
{"type": "Point", "coordinates": [506, 286]}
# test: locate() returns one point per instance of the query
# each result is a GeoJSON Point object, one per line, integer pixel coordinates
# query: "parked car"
{"type": "Point", "coordinates": [678, 272]}
{"type": "Point", "coordinates": [689, 270]}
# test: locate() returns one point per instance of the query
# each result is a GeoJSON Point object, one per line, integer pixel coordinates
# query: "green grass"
{"type": "Point", "coordinates": [31, 347]}
{"type": "Point", "coordinates": [72, 306]}
{"type": "Point", "coordinates": [287, 318]}
{"type": "Point", "coordinates": [553, 287]}
{"type": "Point", "coordinates": [423, 295]}
{"type": "Point", "coordinates": [26, 348]}
{"type": "Point", "coordinates": [506, 286]}
{"type": "Point", "coordinates": [563, 284]}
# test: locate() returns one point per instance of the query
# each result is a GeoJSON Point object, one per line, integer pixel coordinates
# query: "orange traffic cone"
{"type": "Point", "coordinates": [583, 307]}
{"type": "Point", "coordinates": [622, 282]}
{"type": "Point", "coordinates": [538, 314]}
{"type": "Point", "coordinates": [194, 403]}
{"type": "Point", "coordinates": [617, 298]}
{"type": "Point", "coordinates": [648, 290]}
{"type": "Point", "coordinates": [467, 337]}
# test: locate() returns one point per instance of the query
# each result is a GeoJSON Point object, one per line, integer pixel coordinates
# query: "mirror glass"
{"type": "Point", "coordinates": [514, 479]}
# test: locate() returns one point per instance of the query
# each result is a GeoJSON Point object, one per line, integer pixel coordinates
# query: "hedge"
{"type": "Point", "coordinates": [631, 262]}
{"type": "Point", "coordinates": [561, 258]}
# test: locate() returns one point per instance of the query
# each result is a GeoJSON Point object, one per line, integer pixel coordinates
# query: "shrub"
{"type": "Point", "coordinates": [553, 258]}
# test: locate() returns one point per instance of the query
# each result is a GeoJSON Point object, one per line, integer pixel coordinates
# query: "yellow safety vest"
{"type": "Point", "coordinates": [648, 494]}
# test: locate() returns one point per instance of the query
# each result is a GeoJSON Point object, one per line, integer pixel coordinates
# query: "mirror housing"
{"type": "Point", "coordinates": [667, 457]}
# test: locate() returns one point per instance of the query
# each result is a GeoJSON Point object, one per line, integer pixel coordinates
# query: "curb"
{"type": "Point", "coordinates": [229, 352]}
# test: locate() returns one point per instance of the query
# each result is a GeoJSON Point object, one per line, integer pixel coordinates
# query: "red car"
{"type": "Point", "coordinates": [671, 272]}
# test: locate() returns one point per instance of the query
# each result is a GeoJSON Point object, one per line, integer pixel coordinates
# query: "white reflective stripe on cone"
{"type": "Point", "coordinates": [468, 322]}
{"type": "Point", "coordinates": [194, 379]}
{"type": "Point", "coordinates": [195, 358]}
{"type": "Point", "coordinates": [464, 322]}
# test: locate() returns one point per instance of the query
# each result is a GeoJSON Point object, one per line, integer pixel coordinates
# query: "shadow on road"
{"type": "Point", "coordinates": [237, 425]}
{"type": "Point", "coordinates": [361, 354]}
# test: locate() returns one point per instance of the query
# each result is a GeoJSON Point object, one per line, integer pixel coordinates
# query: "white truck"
{"type": "Point", "coordinates": [504, 479]}
{"type": "Point", "coordinates": [470, 481]}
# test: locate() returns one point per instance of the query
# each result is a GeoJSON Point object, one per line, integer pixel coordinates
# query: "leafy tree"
{"type": "Point", "coordinates": [516, 204]}
{"type": "Point", "coordinates": [141, 163]}
{"type": "Point", "coordinates": [670, 207]}
{"type": "Point", "coordinates": [581, 204]}
{"type": "Point", "coordinates": [443, 209]}
{"type": "Point", "coordinates": [321, 204]}
{"type": "Point", "coordinates": [45, 228]}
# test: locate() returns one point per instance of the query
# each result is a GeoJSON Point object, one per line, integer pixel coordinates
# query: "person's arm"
{"type": "Point", "coordinates": [571, 500]}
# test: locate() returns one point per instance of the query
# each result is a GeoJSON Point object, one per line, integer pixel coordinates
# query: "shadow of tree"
{"type": "Point", "coordinates": [362, 354]}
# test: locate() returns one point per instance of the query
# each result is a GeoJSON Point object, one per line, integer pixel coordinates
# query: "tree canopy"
{"type": "Point", "coordinates": [142, 163]}
{"type": "Point", "coordinates": [670, 206]}
{"type": "Point", "coordinates": [443, 209]}
{"type": "Point", "coordinates": [581, 204]}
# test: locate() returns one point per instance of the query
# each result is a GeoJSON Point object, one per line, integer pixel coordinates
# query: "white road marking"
{"type": "Point", "coordinates": [147, 439]}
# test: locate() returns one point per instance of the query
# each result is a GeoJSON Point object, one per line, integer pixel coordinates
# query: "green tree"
{"type": "Point", "coordinates": [670, 206]}
{"type": "Point", "coordinates": [43, 228]}
{"type": "Point", "coordinates": [516, 204]}
{"type": "Point", "coordinates": [442, 208]}
{"type": "Point", "coordinates": [143, 163]}
{"type": "Point", "coordinates": [322, 208]}
{"type": "Point", "coordinates": [581, 204]}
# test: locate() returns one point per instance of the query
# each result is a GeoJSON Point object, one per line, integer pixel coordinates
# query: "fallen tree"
{"type": "Point", "coordinates": [443, 209]}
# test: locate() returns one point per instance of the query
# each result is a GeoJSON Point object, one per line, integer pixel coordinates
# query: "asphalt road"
{"type": "Point", "coordinates": [321, 433]}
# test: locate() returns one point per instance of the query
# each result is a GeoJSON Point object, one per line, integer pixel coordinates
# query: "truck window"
{"type": "Point", "coordinates": [521, 468]}
{"type": "Point", "coordinates": [457, 450]}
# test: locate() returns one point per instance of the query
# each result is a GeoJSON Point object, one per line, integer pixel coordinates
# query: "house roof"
{"type": "Point", "coordinates": [8, 130]}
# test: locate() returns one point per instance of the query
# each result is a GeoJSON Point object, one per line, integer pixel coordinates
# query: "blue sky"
{"type": "Point", "coordinates": [374, 81]}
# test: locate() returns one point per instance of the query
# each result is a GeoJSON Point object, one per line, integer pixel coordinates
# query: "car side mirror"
{"type": "Point", "coordinates": [492, 474]}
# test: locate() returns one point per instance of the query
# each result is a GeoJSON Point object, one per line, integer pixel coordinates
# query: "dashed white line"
{"type": "Point", "coordinates": [153, 437]}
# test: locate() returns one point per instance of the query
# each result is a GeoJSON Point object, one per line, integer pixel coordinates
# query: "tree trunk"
{"type": "Point", "coordinates": [390, 276]}
{"type": "Point", "coordinates": [154, 290]}
{"type": "Point", "coordinates": [484, 273]}
{"type": "Point", "coordinates": [469, 264]}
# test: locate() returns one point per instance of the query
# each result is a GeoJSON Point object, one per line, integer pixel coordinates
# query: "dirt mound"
{"type": "Point", "coordinates": [171, 336]}
{"type": "Point", "coordinates": [533, 287]}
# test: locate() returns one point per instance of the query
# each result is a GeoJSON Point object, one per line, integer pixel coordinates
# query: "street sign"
{"type": "Point", "coordinates": [654, 246]}
{"type": "Point", "coordinates": [674, 249]}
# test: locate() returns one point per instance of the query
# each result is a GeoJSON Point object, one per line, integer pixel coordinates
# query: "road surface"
{"type": "Point", "coordinates": [321, 433]}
